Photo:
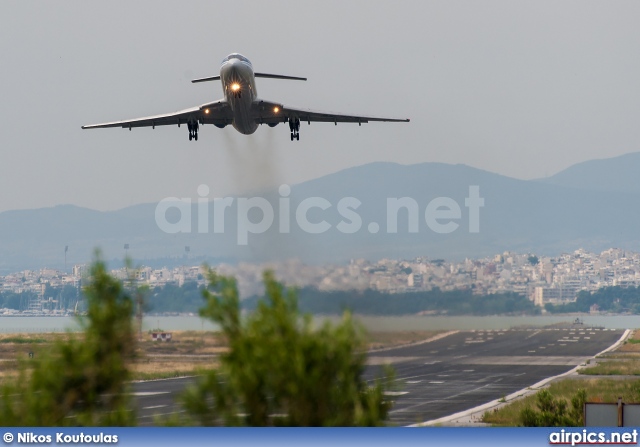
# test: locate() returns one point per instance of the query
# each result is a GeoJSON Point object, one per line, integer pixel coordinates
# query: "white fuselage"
{"type": "Point", "coordinates": [239, 88]}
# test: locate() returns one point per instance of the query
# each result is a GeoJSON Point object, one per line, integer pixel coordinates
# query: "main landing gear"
{"type": "Point", "coordinates": [294, 125]}
{"type": "Point", "coordinates": [193, 130]}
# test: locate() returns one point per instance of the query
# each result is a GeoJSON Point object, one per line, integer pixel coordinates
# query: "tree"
{"type": "Point", "coordinates": [533, 260]}
{"type": "Point", "coordinates": [555, 412]}
{"type": "Point", "coordinates": [82, 381]}
{"type": "Point", "coordinates": [279, 370]}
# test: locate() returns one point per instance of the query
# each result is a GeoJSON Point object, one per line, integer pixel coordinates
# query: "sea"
{"type": "Point", "coordinates": [29, 324]}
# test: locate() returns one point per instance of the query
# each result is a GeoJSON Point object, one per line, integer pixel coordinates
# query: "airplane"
{"type": "Point", "coordinates": [241, 107]}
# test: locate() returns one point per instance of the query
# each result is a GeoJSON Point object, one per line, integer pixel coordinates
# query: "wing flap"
{"type": "Point", "coordinates": [269, 112]}
{"type": "Point", "coordinates": [276, 76]}
{"type": "Point", "coordinates": [217, 112]}
{"type": "Point", "coordinates": [209, 78]}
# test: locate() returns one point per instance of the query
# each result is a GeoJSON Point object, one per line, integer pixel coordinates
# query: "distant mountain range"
{"type": "Point", "coordinates": [619, 174]}
{"type": "Point", "coordinates": [591, 205]}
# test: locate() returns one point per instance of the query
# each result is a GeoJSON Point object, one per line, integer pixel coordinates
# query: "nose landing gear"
{"type": "Point", "coordinates": [294, 126]}
{"type": "Point", "coordinates": [193, 130]}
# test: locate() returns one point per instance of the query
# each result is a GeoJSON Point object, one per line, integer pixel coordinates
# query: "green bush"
{"type": "Point", "coordinates": [555, 412]}
{"type": "Point", "coordinates": [279, 370]}
{"type": "Point", "coordinates": [82, 381]}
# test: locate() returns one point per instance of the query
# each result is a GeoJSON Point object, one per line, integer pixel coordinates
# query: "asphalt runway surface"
{"type": "Point", "coordinates": [445, 376]}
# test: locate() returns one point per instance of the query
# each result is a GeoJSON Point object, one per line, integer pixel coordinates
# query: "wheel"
{"type": "Point", "coordinates": [291, 136]}
{"type": "Point", "coordinates": [298, 137]}
{"type": "Point", "coordinates": [196, 136]}
{"type": "Point", "coordinates": [190, 137]}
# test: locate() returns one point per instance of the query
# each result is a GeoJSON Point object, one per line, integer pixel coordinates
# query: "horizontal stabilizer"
{"type": "Point", "coordinates": [257, 75]}
{"type": "Point", "coordinates": [210, 78]}
{"type": "Point", "coordinates": [272, 76]}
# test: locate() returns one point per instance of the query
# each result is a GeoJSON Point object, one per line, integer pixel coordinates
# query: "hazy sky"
{"type": "Point", "coordinates": [524, 89]}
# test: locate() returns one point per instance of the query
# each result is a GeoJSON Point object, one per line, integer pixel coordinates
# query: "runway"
{"type": "Point", "coordinates": [158, 399]}
{"type": "Point", "coordinates": [468, 369]}
{"type": "Point", "coordinates": [445, 376]}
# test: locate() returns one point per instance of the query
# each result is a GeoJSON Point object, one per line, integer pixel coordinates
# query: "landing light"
{"type": "Point", "coordinates": [235, 86]}
{"type": "Point", "coordinates": [206, 110]}
{"type": "Point", "coordinates": [276, 109]}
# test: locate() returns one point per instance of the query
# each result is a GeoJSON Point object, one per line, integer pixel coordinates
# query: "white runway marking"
{"type": "Point", "coordinates": [534, 334]}
{"type": "Point", "coordinates": [429, 402]}
{"type": "Point", "coordinates": [539, 360]}
{"type": "Point", "coordinates": [149, 393]}
{"type": "Point", "coordinates": [154, 406]}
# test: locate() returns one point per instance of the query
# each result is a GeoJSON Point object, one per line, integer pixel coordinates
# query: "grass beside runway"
{"type": "Point", "coordinates": [622, 367]}
{"type": "Point", "coordinates": [598, 390]}
{"type": "Point", "coordinates": [624, 361]}
{"type": "Point", "coordinates": [186, 354]}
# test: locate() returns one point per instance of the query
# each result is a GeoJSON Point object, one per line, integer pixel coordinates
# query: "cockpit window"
{"type": "Point", "coordinates": [236, 56]}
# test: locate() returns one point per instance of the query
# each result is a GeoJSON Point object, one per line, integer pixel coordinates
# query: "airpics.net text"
{"type": "Point", "coordinates": [441, 215]}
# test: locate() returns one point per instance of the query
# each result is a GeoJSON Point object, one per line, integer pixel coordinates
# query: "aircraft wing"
{"type": "Point", "coordinates": [269, 112]}
{"type": "Point", "coordinates": [217, 112]}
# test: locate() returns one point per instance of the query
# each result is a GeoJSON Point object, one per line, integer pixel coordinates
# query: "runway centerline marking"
{"type": "Point", "coordinates": [149, 393]}
{"type": "Point", "coordinates": [395, 393]}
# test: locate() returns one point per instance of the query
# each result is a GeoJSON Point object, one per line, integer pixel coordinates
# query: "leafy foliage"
{"type": "Point", "coordinates": [17, 301]}
{"type": "Point", "coordinates": [555, 412]}
{"type": "Point", "coordinates": [188, 298]}
{"type": "Point", "coordinates": [82, 381]}
{"type": "Point", "coordinates": [373, 302]}
{"type": "Point", "coordinates": [279, 370]}
{"type": "Point", "coordinates": [609, 299]}
{"type": "Point", "coordinates": [173, 298]}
